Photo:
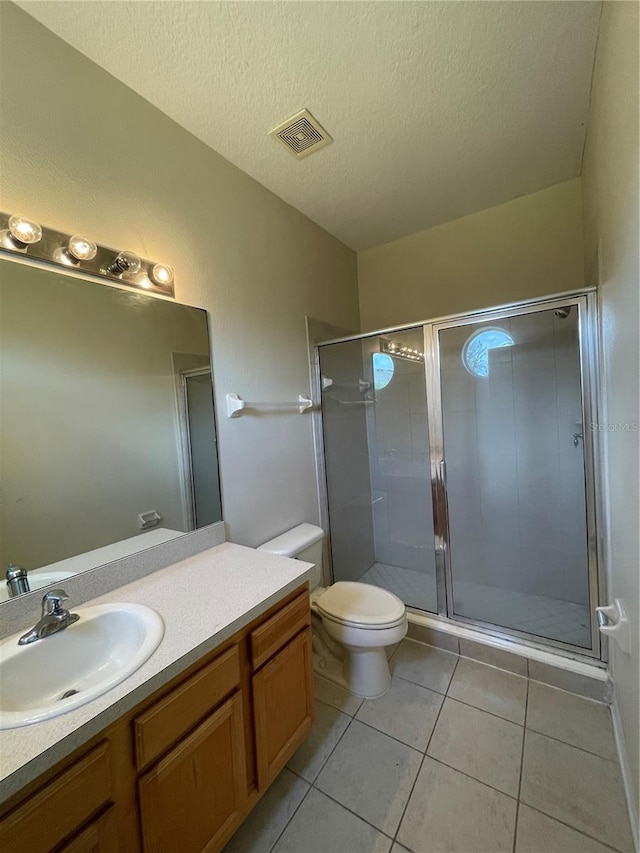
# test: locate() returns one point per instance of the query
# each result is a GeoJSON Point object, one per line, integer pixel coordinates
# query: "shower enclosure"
{"type": "Point", "coordinates": [459, 467]}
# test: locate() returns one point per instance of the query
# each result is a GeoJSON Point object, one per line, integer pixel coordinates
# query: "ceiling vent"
{"type": "Point", "coordinates": [301, 134]}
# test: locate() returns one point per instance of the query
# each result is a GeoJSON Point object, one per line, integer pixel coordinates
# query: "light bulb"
{"type": "Point", "coordinates": [161, 274]}
{"type": "Point", "coordinates": [125, 262]}
{"type": "Point", "coordinates": [82, 248]}
{"type": "Point", "coordinates": [24, 230]}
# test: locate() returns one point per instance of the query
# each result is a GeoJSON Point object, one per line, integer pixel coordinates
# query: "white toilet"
{"type": "Point", "coordinates": [357, 621]}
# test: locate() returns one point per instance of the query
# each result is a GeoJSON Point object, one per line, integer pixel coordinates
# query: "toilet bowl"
{"type": "Point", "coordinates": [364, 619]}
{"type": "Point", "coordinates": [360, 618]}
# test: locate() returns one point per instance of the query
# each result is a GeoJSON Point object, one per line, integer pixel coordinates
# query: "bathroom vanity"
{"type": "Point", "coordinates": [175, 757]}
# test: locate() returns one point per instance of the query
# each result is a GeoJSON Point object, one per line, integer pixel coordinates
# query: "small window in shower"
{"type": "Point", "coordinates": [383, 368]}
{"type": "Point", "coordinates": [475, 353]}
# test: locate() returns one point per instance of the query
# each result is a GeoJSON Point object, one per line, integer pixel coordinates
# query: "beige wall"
{"type": "Point", "coordinates": [82, 152]}
{"type": "Point", "coordinates": [527, 247]}
{"type": "Point", "coordinates": [611, 191]}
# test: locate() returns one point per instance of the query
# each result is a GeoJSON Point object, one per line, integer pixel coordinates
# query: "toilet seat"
{"type": "Point", "coordinates": [363, 626]}
{"type": "Point", "coordinates": [361, 605]}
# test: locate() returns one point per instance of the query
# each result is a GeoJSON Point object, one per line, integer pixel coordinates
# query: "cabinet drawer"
{"type": "Point", "coordinates": [61, 807]}
{"type": "Point", "coordinates": [273, 634]}
{"type": "Point", "coordinates": [100, 836]}
{"type": "Point", "coordinates": [175, 715]}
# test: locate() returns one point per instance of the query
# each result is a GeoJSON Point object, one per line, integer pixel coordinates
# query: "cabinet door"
{"type": "Point", "coordinates": [283, 706]}
{"type": "Point", "coordinates": [98, 837]}
{"type": "Point", "coordinates": [190, 801]}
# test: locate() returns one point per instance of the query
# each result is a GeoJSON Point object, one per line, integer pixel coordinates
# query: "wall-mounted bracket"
{"type": "Point", "coordinates": [614, 622]}
{"type": "Point", "coordinates": [235, 405]}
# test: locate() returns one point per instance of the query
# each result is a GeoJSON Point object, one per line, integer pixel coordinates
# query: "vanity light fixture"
{"type": "Point", "coordinates": [161, 274]}
{"type": "Point", "coordinates": [18, 234]}
{"type": "Point", "coordinates": [125, 262]}
{"type": "Point", "coordinates": [23, 230]}
{"type": "Point", "coordinates": [81, 248]}
{"type": "Point", "coordinates": [400, 350]}
{"type": "Point", "coordinates": [78, 249]}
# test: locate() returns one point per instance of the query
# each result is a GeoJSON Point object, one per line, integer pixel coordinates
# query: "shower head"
{"type": "Point", "coordinates": [564, 312]}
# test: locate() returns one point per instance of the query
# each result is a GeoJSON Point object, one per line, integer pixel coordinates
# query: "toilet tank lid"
{"type": "Point", "coordinates": [293, 541]}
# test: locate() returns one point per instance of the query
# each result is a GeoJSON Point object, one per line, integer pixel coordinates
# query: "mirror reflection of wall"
{"type": "Point", "coordinates": [94, 424]}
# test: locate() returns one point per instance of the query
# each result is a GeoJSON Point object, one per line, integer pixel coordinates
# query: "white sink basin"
{"type": "Point", "coordinates": [38, 579]}
{"type": "Point", "coordinates": [106, 645]}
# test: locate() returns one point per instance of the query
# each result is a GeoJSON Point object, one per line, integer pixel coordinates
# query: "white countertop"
{"type": "Point", "coordinates": [203, 600]}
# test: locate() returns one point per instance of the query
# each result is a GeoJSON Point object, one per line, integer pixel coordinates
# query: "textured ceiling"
{"type": "Point", "coordinates": [437, 109]}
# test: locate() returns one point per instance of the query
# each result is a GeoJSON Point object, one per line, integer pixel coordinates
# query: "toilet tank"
{"type": "Point", "coordinates": [303, 542]}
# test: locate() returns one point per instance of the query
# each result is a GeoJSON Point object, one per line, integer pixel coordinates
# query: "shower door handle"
{"type": "Point", "coordinates": [441, 507]}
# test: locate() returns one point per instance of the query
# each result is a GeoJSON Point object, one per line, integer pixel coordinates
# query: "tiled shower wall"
{"type": "Point", "coordinates": [399, 460]}
{"type": "Point", "coordinates": [347, 461]}
{"type": "Point", "coordinates": [515, 479]}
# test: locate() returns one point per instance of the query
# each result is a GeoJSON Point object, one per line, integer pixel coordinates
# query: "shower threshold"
{"type": "Point", "coordinates": [542, 617]}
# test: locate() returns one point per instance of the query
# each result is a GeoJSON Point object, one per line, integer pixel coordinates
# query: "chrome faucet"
{"type": "Point", "coordinates": [17, 581]}
{"type": "Point", "coordinates": [54, 618]}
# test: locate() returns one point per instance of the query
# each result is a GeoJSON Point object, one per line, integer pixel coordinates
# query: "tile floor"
{"type": "Point", "coordinates": [458, 757]}
{"type": "Point", "coordinates": [553, 618]}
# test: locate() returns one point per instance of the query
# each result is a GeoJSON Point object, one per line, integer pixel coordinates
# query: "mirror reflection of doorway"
{"type": "Point", "coordinates": [200, 448]}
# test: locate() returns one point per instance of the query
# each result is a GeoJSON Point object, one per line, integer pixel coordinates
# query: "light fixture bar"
{"type": "Point", "coordinates": [400, 350]}
{"type": "Point", "coordinates": [81, 253]}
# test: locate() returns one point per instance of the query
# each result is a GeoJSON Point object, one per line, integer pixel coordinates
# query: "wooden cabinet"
{"type": "Point", "coordinates": [61, 808]}
{"type": "Point", "coordinates": [191, 798]}
{"type": "Point", "coordinates": [183, 769]}
{"type": "Point", "coordinates": [283, 706]}
{"type": "Point", "coordinates": [169, 719]}
{"type": "Point", "coordinates": [283, 626]}
{"type": "Point", "coordinates": [99, 836]}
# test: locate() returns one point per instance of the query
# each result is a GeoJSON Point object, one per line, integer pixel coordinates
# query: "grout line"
{"type": "Point", "coordinates": [524, 734]}
{"type": "Point", "coordinates": [324, 763]}
{"type": "Point", "coordinates": [355, 814]}
{"type": "Point", "coordinates": [311, 784]}
{"type": "Point", "coordinates": [295, 773]}
{"type": "Point", "coordinates": [293, 814]}
{"type": "Point", "coordinates": [499, 668]}
{"type": "Point", "coordinates": [572, 692]}
{"type": "Point", "coordinates": [397, 740]}
{"type": "Point", "coordinates": [473, 778]}
{"type": "Point", "coordinates": [341, 710]}
{"type": "Point", "coordinates": [573, 746]}
{"type": "Point", "coordinates": [417, 683]}
{"type": "Point", "coordinates": [483, 711]}
{"type": "Point", "coordinates": [428, 645]}
{"type": "Point", "coordinates": [425, 755]}
{"type": "Point", "coordinates": [568, 826]}
{"type": "Point", "coordinates": [406, 805]}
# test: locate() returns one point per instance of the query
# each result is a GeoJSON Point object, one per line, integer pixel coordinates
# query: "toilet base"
{"type": "Point", "coordinates": [367, 672]}
{"type": "Point", "coordinates": [362, 672]}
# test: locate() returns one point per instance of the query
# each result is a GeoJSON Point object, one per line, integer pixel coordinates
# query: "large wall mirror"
{"type": "Point", "coordinates": [107, 428]}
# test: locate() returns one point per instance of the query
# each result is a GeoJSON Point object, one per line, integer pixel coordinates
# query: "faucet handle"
{"type": "Point", "coordinates": [52, 602]}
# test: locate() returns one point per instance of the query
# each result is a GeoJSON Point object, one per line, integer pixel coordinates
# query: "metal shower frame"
{"type": "Point", "coordinates": [586, 302]}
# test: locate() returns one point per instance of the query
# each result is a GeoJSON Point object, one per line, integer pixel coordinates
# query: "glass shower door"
{"type": "Point", "coordinates": [376, 442]}
{"type": "Point", "coordinates": [513, 440]}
